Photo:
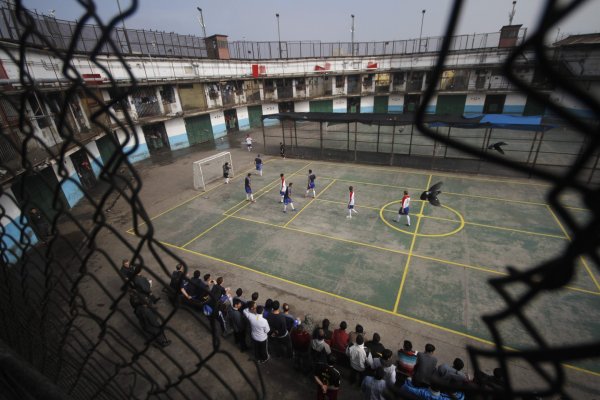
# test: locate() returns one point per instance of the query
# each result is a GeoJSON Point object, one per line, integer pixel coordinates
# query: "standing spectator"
{"type": "Point", "coordinates": [268, 307]}
{"type": "Point", "coordinates": [328, 380]}
{"type": "Point", "coordinates": [339, 339]}
{"type": "Point", "coordinates": [259, 328]}
{"type": "Point", "coordinates": [127, 270]}
{"type": "Point", "coordinates": [374, 386]}
{"type": "Point", "coordinates": [326, 331]}
{"type": "Point", "coordinates": [279, 334]}
{"type": "Point", "coordinates": [425, 367]}
{"type": "Point", "coordinates": [259, 164]}
{"type": "Point", "coordinates": [407, 358]}
{"type": "Point", "coordinates": [282, 150]}
{"type": "Point", "coordinates": [254, 297]}
{"type": "Point", "coordinates": [226, 169]}
{"type": "Point", "coordinates": [39, 224]}
{"type": "Point", "coordinates": [385, 362]}
{"type": "Point", "coordinates": [301, 345]}
{"type": "Point", "coordinates": [148, 318]}
{"type": "Point", "coordinates": [290, 321]}
{"type": "Point", "coordinates": [358, 330]}
{"type": "Point", "coordinates": [375, 346]}
{"type": "Point", "coordinates": [360, 360]}
{"type": "Point", "coordinates": [235, 320]}
{"type": "Point", "coordinates": [238, 295]}
{"type": "Point", "coordinates": [319, 349]}
{"type": "Point", "coordinates": [248, 142]}
{"type": "Point", "coordinates": [176, 277]}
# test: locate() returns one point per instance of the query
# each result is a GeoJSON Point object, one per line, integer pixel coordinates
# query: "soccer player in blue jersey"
{"type": "Point", "coordinates": [287, 198]}
{"type": "Point", "coordinates": [311, 184]}
{"type": "Point", "coordinates": [249, 195]}
{"type": "Point", "coordinates": [259, 164]}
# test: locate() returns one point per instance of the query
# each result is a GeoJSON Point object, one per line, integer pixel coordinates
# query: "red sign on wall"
{"type": "Point", "coordinates": [258, 70]}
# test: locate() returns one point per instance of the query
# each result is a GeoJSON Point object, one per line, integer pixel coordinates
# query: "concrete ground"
{"type": "Point", "coordinates": [167, 182]}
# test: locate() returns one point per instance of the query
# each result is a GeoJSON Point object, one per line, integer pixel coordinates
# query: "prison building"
{"type": "Point", "coordinates": [190, 90]}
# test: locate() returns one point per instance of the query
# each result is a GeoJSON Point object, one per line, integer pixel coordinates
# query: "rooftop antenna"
{"type": "Point", "coordinates": [511, 14]}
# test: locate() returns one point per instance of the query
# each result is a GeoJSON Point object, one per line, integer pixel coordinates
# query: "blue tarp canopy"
{"type": "Point", "coordinates": [472, 121]}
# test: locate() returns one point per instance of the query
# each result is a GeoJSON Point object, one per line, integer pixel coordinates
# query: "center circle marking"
{"type": "Point", "coordinates": [460, 220]}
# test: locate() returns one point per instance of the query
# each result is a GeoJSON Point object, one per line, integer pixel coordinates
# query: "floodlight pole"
{"type": "Point", "coordinates": [421, 32]}
{"type": "Point", "coordinates": [511, 14]}
{"type": "Point", "coordinates": [202, 21]}
{"type": "Point", "coordinates": [352, 34]}
{"type": "Point", "coordinates": [278, 34]}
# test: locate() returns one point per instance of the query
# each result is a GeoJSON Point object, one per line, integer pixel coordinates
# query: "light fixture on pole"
{"type": "Point", "coordinates": [511, 14]}
{"type": "Point", "coordinates": [278, 34]}
{"type": "Point", "coordinates": [201, 20]}
{"type": "Point", "coordinates": [421, 31]}
{"type": "Point", "coordinates": [352, 34]}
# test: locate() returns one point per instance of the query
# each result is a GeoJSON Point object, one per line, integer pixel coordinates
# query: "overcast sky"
{"type": "Point", "coordinates": [325, 20]}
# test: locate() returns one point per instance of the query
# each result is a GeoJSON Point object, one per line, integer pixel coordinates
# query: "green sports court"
{"type": "Point", "coordinates": [434, 272]}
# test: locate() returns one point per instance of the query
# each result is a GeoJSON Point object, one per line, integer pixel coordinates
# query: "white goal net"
{"type": "Point", "coordinates": [210, 168]}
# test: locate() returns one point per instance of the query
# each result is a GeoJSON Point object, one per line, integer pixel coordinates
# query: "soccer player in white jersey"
{"type": "Point", "coordinates": [282, 187]}
{"type": "Point", "coordinates": [311, 184]}
{"type": "Point", "coordinates": [404, 208]}
{"type": "Point", "coordinates": [351, 203]}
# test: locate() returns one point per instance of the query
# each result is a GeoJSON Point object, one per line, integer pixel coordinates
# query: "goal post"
{"type": "Point", "coordinates": [210, 169]}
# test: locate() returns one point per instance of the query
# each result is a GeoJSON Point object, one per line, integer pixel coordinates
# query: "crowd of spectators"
{"type": "Point", "coordinates": [270, 330]}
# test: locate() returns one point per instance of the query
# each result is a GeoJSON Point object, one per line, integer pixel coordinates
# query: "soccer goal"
{"type": "Point", "coordinates": [211, 168]}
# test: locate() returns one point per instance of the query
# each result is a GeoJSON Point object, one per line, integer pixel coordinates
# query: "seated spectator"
{"type": "Point", "coordinates": [407, 358]}
{"type": "Point", "coordinates": [385, 362]}
{"type": "Point", "coordinates": [360, 360]}
{"type": "Point", "coordinates": [328, 380]}
{"type": "Point", "coordinates": [301, 345]}
{"type": "Point", "coordinates": [319, 348]}
{"type": "Point", "coordinates": [425, 367]}
{"type": "Point", "coordinates": [373, 386]}
{"type": "Point", "coordinates": [491, 382]}
{"type": "Point", "coordinates": [359, 330]}
{"type": "Point", "coordinates": [175, 277]}
{"type": "Point", "coordinates": [375, 346]}
{"type": "Point", "coordinates": [409, 390]}
{"type": "Point", "coordinates": [339, 338]}
{"type": "Point", "coordinates": [450, 376]}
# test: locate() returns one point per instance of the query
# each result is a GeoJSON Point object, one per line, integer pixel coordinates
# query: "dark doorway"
{"type": "Point", "coordinates": [494, 103]}
{"type": "Point", "coordinates": [534, 107]}
{"type": "Point", "coordinates": [83, 166]}
{"type": "Point", "coordinates": [353, 105]}
{"type": "Point", "coordinates": [231, 121]}
{"type": "Point", "coordinates": [37, 190]}
{"type": "Point", "coordinates": [156, 138]}
{"type": "Point", "coordinates": [411, 102]}
{"type": "Point", "coordinates": [286, 106]}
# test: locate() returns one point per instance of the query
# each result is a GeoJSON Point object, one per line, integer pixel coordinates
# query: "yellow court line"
{"type": "Point", "coordinates": [303, 208]}
{"type": "Point", "coordinates": [267, 191]}
{"type": "Point", "coordinates": [395, 314]}
{"type": "Point", "coordinates": [206, 231]}
{"type": "Point", "coordinates": [410, 252]}
{"type": "Point", "coordinates": [402, 252]}
{"type": "Point", "coordinates": [589, 271]}
{"type": "Point", "coordinates": [444, 174]}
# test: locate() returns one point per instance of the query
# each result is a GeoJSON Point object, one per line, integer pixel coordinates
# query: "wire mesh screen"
{"type": "Point", "coordinates": [69, 307]}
